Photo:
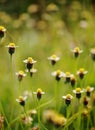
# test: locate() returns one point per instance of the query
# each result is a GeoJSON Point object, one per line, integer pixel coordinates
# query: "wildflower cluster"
{"type": "Point", "coordinates": [75, 91]}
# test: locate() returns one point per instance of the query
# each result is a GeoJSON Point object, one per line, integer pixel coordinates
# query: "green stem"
{"type": "Point", "coordinates": [57, 97]}
{"type": "Point", "coordinates": [38, 107]}
{"type": "Point", "coordinates": [9, 127]}
{"type": "Point", "coordinates": [40, 123]}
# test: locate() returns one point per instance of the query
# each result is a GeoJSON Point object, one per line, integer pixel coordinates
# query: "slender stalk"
{"type": "Point", "coordinates": [57, 96]}
{"type": "Point", "coordinates": [38, 107]}
{"type": "Point", "coordinates": [39, 120]}
{"type": "Point", "coordinates": [9, 127]}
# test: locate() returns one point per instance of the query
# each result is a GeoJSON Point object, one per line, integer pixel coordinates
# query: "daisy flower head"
{"type": "Point", "coordinates": [68, 99]}
{"type": "Point", "coordinates": [92, 52]}
{"type": "Point", "coordinates": [58, 74]}
{"type": "Point", "coordinates": [20, 74]}
{"type": "Point", "coordinates": [88, 90]}
{"type": "Point", "coordinates": [53, 59]}
{"type": "Point", "coordinates": [39, 93]}
{"type": "Point", "coordinates": [67, 77]}
{"type": "Point", "coordinates": [32, 71]}
{"type": "Point", "coordinates": [81, 72]}
{"type": "Point", "coordinates": [72, 80]}
{"type": "Point", "coordinates": [78, 92]}
{"type": "Point", "coordinates": [85, 101]}
{"type": "Point", "coordinates": [27, 120]}
{"type": "Point", "coordinates": [2, 31]}
{"type": "Point", "coordinates": [77, 51]}
{"type": "Point", "coordinates": [29, 62]}
{"type": "Point", "coordinates": [21, 100]}
{"type": "Point", "coordinates": [11, 48]}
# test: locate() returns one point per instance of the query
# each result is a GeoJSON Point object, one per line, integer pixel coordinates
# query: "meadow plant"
{"type": "Point", "coordinates": [2, 31]}
{"type": "Point", "coordinates": [78, 110]}
{"type": "Point", "coordinates": [20, 74]}
{"type": "Point", "coordinates": [29, 63]}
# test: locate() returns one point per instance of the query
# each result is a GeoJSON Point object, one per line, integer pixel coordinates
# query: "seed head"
{"type": "Point", "coordinates": [21, 100]}
{"type": "Point", "coordinates": [11, 48]}
{"type": "Point", "coordinates": [68, 99]}
{"type": "Point", "coordinates": [78, 92]}
{"type": "Point", "coordinates": [39, 93]}
{"type": "Point", "coordinates": [77, 51]}
{"type": "Point", "coordinates": [20, 75]}
{"type": "Point", "coordinates": [29, 62]}
{"type": "Point", "coordinates": [58, 74]}
{"type": "Point", "coordinates": [53, 59]}
{"type": "Point", "coordinates": [88, 90]}
{"type": "Point", "coordinates": [2, 31]}
{"type": "Point", "coordinates": [92, 52]}
{"type": "Point", "coordinates": [81, 72]}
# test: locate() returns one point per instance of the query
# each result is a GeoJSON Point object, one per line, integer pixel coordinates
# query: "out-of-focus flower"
{"type": "Point", "coordinates": [41, 25]}
{"type": "Point", "coordinates": [34, 8]}
{"type": "Point", "coordinates": [85, 101]}
{"type": "Point", "coordinates": [88, 90]}
{"type": "Point", "coordinates": [81, 72]}
{"type": "Point", "coordinates": [72, 80]}
{"type": "Point", "coordinates": [92, 52]}
{"type": "Point", "coordinates": [2, 31]}
{"type": "Point", "coordinates": [21, 100]}
{"type": "Point", "coordinates": [11, 48]}
{"type": "Point", "coordinates": [58, 74]}
{"type": "Point", "coordinates": [39, 93]}
{"type": "Point", "coordinates": [24, 17]}
{"type": "Point", "coordinates": [29, 62]}
{"type": "Point", "coordinates": [33, 112]}
{"type": "Point", "coordinates": [32, 71]}
{"type": "Point", "coordinates": [67, 77]}
{"type": "Point", "coordinates": [20, 75]}
{"type": "Point", "coordinates": [93, 128]}
{"type": "Point", "coordinates": [83, 24]}
{"type": "Point", "coordinates": [27, 120]}
{"type": "Point", "coordinates": [85, 113]}
{"type": "Point", "coordinates": [54, 118]}
{"type": "Point", "coordinates": [52, 8]}
{"type": "Point", "coordinates": [78, 92]}
{"type": "Point", "coordinates": [35, 128]}
{"type": "Point", "coordinates": [27, 93]}
{"type": "Point", "coordinates": [1, 122]}
{"type": "Point", "coordinates": [53, 59]}
{"type": "Point", "coordinates": [77, 51]}
{"type": "Point", "coordinates": [68, 98]}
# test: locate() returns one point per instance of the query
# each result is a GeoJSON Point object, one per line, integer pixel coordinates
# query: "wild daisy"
{"type": "Point", "coordinates": [58, 74]}
{"type": "Point", "coordinates": [68, 98]}
{"type": "Point", "coordinates": [2, 31]}
{"type": "Point", "coordinates": [53, 59]}
{"type": "Point", "coordinates": [67, 77]}
{"type": "Point", "coordinates": [27, 120]}
{"type": "Point", "coordinates": [72, 80]}
{"type": "Point", "coordinates": [92, 52]}
{"type": "Point", "coordinates": [39, 93]}
{"type": "Point", "coordinates": [85, 101]}
{"type": "Point", "coordinates": [29, 62]}
{"type": "Point", "coordinates": [78, 92]}
{"type": "Point", "coordinates": [11, 48]}
{"type": "Point", "coordinates": [20, 75]}
{"type": "Point", "coordinates": [77, 51]}
{"type": "Point", "coordinates": [21, 100]}
{"type": "Point", "coordinates": [88, 90]}
{"type": "Point", "coordinates": [32, 71]}
{"type": "Point", "coordinates": [81, 72]}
